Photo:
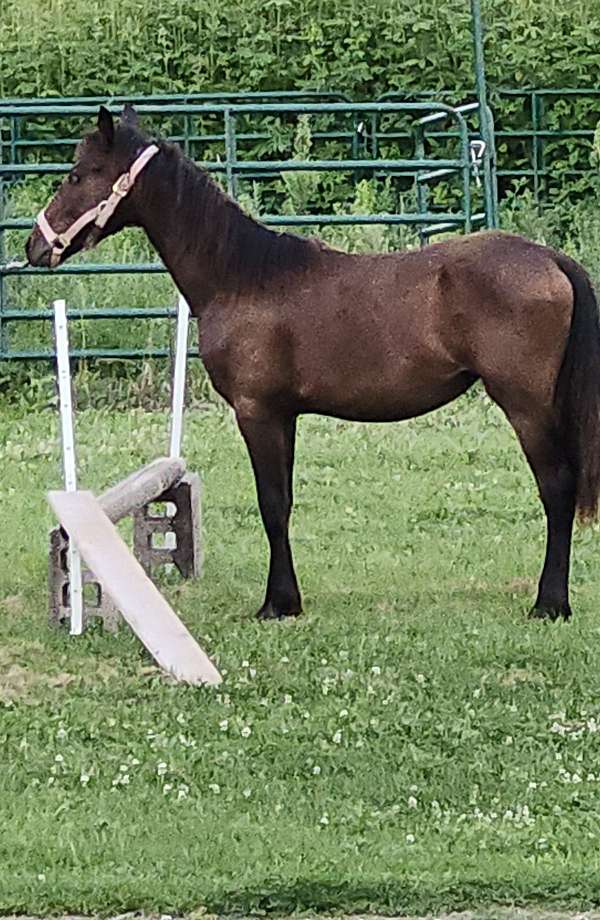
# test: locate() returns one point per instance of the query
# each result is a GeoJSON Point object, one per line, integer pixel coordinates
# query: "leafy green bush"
{"type": "Point", "coordinates": [360, 47]}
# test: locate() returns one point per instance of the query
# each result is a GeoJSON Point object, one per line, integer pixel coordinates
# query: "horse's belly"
{"type": "Point", "coordinates": [385, 396]}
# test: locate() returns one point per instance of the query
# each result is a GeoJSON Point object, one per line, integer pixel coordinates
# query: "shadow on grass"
{"type": "Point", "coordinates": [402, 896]}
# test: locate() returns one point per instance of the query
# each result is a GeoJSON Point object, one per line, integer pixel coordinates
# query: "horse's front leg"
{"type": "Point", "coordinates": [270, 441]}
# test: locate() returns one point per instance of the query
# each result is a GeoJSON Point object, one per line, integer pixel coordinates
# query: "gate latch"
{"type": "Point", "coordinates": [477, 150]}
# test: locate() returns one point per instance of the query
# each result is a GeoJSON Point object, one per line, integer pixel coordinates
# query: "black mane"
{"type": "Point", "coordinates": [242, 252]}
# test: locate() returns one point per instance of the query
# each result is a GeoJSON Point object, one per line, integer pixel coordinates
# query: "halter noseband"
{"type": "Point", "coordinates": [98, 215]}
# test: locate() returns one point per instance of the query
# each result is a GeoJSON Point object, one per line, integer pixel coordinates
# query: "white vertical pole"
{"type": "Point", "coordinates": [69, 465]}
{"type": "Point", "coordinates": [181, 347]}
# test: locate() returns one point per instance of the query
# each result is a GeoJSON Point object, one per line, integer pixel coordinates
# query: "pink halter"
{"type": "Point", "coordinates": [98, 215]}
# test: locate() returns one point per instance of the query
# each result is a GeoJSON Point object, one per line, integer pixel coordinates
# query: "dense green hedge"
{"type": "Point", "coordinates": [364, 47]}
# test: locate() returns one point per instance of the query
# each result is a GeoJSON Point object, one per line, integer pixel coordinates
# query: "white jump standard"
{"type": "Point", "coordinates": [123, 584]}
{"type": "Point", "coordinates": [70, 557]}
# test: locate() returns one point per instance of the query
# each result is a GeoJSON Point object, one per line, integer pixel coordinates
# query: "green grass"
{"type": "Point", "coordinates": [411, 743]}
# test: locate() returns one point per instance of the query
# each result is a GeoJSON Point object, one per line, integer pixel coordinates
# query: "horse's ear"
{"type": "Point", "coordinates": [106, 125]}
{"type": "Point", "coordinates": [129, 116]}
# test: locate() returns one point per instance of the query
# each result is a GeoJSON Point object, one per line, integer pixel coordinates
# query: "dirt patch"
{"type": "Point", "coordinates": [23, 678]}
{"type": "Point", "coordinates": [14, 605]}
{"type": "Point", "coordinates": [520, 676]}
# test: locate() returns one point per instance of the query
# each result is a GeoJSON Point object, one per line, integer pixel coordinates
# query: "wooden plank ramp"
{"type": "Point", "coordinates": [151, 618]}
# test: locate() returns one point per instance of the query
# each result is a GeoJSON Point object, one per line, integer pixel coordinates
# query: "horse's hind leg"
{"type": "Point", "coordinates": [541, 441]}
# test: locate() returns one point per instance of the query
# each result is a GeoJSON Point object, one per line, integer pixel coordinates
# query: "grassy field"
{"type": "Point", "coordinates": [411, 743]}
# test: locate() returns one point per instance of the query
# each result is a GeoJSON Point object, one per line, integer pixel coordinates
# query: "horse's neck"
{"type": "Point", "coordinates": [211, 248]}
{"type": "Point", "coordinates": [163, 216]}
{"type": "Point", "coordinates": [195, 242]}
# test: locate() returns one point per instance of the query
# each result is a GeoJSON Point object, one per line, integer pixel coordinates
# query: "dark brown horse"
{"type": "Point", "coordinates": [290, 326]}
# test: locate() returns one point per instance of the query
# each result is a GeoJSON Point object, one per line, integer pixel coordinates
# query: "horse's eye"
{"type": "Point", "coordinates": [73, 178]}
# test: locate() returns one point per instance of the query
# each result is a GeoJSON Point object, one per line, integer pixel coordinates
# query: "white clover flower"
{"type": "Point", "coordinates": [161, 768]}
{"type": "Point", "coordinates": [246, 731]}
{"type": "Point", "coordinates": [375, 669]}
{"type": "Point", "coordinates": [316, 770]}
{"type": "Point", "coordinates": [343, 713]}
{"type": "Point", "coordinates": [167, 788]}
{"type": "Point", "coordinates": [324, 819]}
{"type": "Point", "coordinates": [285, 659]}
{"type": "Point", "coordinates": [181, 718]}
{"type": "Point", "coordinates": [224, 725]}
{"type": "Point", "coordinates": [287, 699]}
{"type": "Point", "coordinates": [61, 734]}
{"type": "Point", "coordinates": [247, 793]}
{"type": "Point", "coordinates": [214, 787]}
{"type": "Point", "coordinates": [182, 792]}
{"type": "Point", "coordinates": [420, 679]}
{"type": "Point", "coordinates": [410, 839]}
{"type": "Point", "coordinates": [84, 778]}
{"type": "Point", "coordinates": [59, 758]}
{"type": "Point", "coordinates": [337, 738]}
{"type": "Point", "coordinates": [412, 802]}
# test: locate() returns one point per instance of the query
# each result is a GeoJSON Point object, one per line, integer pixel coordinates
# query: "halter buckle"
{"type": "Point", "coordinates": [122, 185]}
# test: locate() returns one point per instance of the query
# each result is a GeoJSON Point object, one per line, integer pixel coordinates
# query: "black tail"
{"type": "Point", "coordinates": [578, 389]}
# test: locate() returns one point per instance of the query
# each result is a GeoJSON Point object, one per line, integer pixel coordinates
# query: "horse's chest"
{"type": "Point", "coordinates": [246, 354]}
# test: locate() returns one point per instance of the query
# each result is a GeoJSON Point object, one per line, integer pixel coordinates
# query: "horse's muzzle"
{"type": "Point", "coordinates": [38, 250]}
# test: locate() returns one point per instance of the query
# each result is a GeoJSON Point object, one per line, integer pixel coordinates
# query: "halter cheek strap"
{"type": "Point", "coordinates": [100, 214]}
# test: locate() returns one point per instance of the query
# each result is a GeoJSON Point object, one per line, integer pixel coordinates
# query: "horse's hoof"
{"type": "Point", "coordinates": [271, 612]}
{"type": "Point", "coordinates": [544, 612]}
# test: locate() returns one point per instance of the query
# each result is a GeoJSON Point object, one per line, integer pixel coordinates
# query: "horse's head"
{"type": "Point", "coordinates": [93, 201]}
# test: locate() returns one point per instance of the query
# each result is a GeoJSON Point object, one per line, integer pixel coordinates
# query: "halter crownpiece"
{"type": "Point", "coordinates": [100, 214]}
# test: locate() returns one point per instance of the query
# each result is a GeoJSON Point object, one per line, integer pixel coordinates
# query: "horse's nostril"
{"type": "Point", "coordinates": [37, 250]}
